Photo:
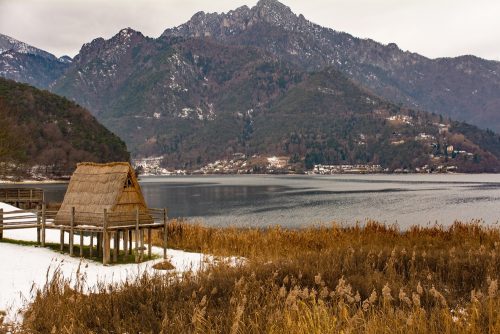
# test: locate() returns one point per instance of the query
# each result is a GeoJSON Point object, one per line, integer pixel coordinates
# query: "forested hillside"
{"type": "Point", "coordinates": [38, 128]}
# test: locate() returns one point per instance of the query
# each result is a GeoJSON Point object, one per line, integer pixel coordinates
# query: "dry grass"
{"type": "Point", "coordinates": [372, 279]}
{"type": "Point", "coordinates": [164, 265]}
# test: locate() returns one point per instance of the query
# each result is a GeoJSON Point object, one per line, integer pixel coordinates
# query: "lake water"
{"type": "Point", "coordinates": [295, 201]}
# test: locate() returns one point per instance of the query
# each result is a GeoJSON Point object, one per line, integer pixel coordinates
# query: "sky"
{"type": "Point", "coordinates": [433, 28]}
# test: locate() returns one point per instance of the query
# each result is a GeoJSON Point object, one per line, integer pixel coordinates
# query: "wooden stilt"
{"type": "Point", "coordinates": [136, 235]}
{"type": "Point", "coordinates": [81, 243]}
{"type": "Point", "coordinates": [61, 239]}
{"type": "Point", "coordinates": [38, 227]}
{"type": "Point", "coordinates": [116, 246]}
{"type": "Point", "coordinates": [165, 229]}
{"type": "Point", "coordinates": [1, 224]}
{"type": "Point", "coordinates": [130, 240]}
{"type": "Point", "coordinates": [141, 244]}
{"type": "Point", "coordinates": [149, 243]}
{"type": "Point", "coordinates": [44, 222]}
{"type": "Point", "coordinates": [72, 231]}
{"type": "Point", "coordinates": [91, 248]}
{"type": "Point", "coordinates": [106, 242]}
{"type": "Point", "coordinates": [99, 244]}
{"type": "Point", "coordinates": [125, 242]}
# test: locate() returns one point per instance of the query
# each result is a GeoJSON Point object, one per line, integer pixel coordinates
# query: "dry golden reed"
{"type": "Point", "coordinates": [361, 279]}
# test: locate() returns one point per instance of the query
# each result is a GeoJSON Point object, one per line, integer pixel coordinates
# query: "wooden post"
{"type": "Point", "coordinates": [125, 242]}
{"type": "Point", "coordinates": [130, 241]}
{"type": "Point", "coordinates": [44, 222]}
{"type": "Point", "coordinates": [91, 249]}
{"type": "Point", "coordinates": [1, 224]}
{"type": "Point", "coordinates": [71, 231]}
{"type": "Point", "coordinates": [149, 242]}
{"type": "Point", "coordinates": [116, 246]}
{"type": "Point", "coordinates": [61, 238]}
{"type": "Point", "coordinates": [165, 228]}
{"type": "Point", "coordinates": [81, 243]}
{"type": "Point", "coordinates": [141, 243]}
{"type": "Point", "coordinates": [38, 227]}
{"type": "Point", "coordinates": [106, 256]}
{"type": "Point", "coordinates": [99, 244]}
{"type": "Point", "coordinates": [136, 235]}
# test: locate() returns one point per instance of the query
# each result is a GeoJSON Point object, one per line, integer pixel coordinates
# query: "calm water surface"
{"type": "Point", "coordinates": [294, 201]}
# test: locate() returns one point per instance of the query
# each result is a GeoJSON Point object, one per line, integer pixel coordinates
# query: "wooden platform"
{"type": "Point", "coordinates": [28, 198]}
{"type": "Point", "coordinates": [131, 232]}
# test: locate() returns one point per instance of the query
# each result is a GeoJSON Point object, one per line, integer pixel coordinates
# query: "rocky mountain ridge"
{"type": "Point", "coordinates": [25, 63]}
{"type": "Point", "coordinates": [195, 100]}
{"type": "Point", "coordinates": [466, 88]}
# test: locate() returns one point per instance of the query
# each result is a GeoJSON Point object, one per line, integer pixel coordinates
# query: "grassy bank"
{"type": "Point", "coordinates": [372, 279]}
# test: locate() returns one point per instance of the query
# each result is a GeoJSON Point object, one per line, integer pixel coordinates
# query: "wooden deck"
{"type": "Point", "coordinates": [22, 197]}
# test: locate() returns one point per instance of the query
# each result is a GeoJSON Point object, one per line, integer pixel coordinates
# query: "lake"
{"type": "Point", "coordinates": [295, 201]}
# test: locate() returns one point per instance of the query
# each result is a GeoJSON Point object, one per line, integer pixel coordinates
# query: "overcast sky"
{"type": "Point", "coordinates": [434, 28]}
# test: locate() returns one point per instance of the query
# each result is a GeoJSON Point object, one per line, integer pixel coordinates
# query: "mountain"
{"type": "Point", "coordinates": [466, 88]}
{"type": "Point", "coordinates": [24, 63]}
{"type": "Point", "coordinates": [264, 81]}
{"type": "Point", "coordinates": [195, 100]}
{"type": "Point", "coordinates": [41, 129]}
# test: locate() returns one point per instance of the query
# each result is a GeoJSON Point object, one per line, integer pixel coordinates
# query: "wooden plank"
{"type": "Point", "coordinates": [18, 226]}
{"type": "Point", "coordinates": [121, 227]}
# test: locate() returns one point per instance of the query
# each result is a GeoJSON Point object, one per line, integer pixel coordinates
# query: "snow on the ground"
{"type": "Point", "coordinates": [26, 266]}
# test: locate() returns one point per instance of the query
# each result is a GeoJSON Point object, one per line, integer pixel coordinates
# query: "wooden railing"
{"type": "Point", "coordinates": [131, 223]}
{"type": "Point", "coordinates": [21, 195]}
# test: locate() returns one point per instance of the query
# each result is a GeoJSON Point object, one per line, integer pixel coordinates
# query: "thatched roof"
{"type": "Point", "coordinates": [95, 187]}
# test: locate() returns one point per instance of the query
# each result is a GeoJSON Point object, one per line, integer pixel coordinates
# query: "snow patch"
{"type": "Point", "coordinates": [28, 265]}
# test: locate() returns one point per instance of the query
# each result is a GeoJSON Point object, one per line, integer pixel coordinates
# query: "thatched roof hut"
{"type": "Point", "coordinates": [96, 187]}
